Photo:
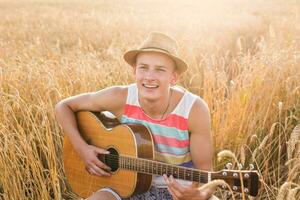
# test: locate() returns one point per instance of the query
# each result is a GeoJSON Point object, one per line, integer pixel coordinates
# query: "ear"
{"type": "Point", "coordinates": [174, 78]}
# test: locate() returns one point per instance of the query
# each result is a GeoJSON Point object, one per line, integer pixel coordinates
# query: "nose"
{"type": "Point", "coordinates": [150, 75]}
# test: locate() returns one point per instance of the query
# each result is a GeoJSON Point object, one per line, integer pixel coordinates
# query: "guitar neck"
{"type": "Point", "coordinates": [238, 180]}
{"type": "Point", "coordinates": [158, 168]}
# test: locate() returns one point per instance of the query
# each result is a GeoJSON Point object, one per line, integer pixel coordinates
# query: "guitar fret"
{"type": "Point", "coordinates": [150, 167]}
{"type": "Point", "coordinates": [121, 162]}
{"type": "Point", "coordinates": [146, 166]}
{"type": "Point", "coordinates": [169, 168]}
{"type": "Point", "coordinates": [160, 169]}
{"type": "Point", "coordinates": [133, 166]}
{"type": "Point", "coordinates": [127, 163]}
{"type": "Point", "coordinates": [163, 169]}
{"type": "Point", "coordinates": [188, 174]}
{"type": "Point", "coordinates": [130, 163]}
{"type": "Point", "coordinates": [143, 166]}
{"type": "Point", "coordinates": [166, 169]}
{"type": "Point", "coordinates": [174, 172]}
{"type": "Point", "coordinates": [154, 168]}
{"type": "Point", "coordinates": [137, 166]}
{"type": "Point", "coordinates": [196, 176]}
{"type": "Point", "coordinates": [179, 173]}
{"type": "Point", "coordinates": [128, 160]}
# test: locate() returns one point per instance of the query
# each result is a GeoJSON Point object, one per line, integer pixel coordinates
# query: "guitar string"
{"type": "Point", "coordinates": [182, 171]}
{"type": "Point", "coordinates": [201, 178]}
{"type": "Point", "coordinates": [116, 158]}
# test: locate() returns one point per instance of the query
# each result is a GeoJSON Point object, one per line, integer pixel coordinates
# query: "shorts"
{"type": "Point", "coordinates": [154, 193]}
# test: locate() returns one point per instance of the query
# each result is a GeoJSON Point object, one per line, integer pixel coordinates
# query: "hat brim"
{"type": "Point", "coordinates": [130, 58]}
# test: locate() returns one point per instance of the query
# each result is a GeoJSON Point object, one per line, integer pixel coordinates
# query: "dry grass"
{"type": "Point", "coordinates": [244, 61]}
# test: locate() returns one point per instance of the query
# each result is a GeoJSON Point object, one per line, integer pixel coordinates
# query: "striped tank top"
{"type": "Point", "coordinates": [170, 135]}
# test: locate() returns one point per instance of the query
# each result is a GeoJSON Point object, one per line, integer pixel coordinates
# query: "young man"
{"type": "Point", "coordinates": [179, 120]}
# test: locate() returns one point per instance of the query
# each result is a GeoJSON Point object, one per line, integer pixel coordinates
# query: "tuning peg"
{"type": "Point", "coordinates": [234, 188]}
{"type": "Point", "coordinates": [251, 166]}
{"type": "Point", "coordinates": [240, 166]}
{"type": "Point", "coordinates": [229, 165]}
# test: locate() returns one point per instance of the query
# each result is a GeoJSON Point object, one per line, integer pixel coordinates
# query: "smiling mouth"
{"type": "Point", "coordinates": [150, 86]}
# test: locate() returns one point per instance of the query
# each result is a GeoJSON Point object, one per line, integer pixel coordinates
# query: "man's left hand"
{"type": "Point", "coordinates": [180, 192]}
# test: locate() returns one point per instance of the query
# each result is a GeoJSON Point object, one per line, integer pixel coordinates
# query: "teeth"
{"type": "Point", "coordinates": [150, 86]}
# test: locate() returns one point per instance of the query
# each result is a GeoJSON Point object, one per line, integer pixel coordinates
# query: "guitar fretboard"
{"type": "Point", "coordinates": [158, 168]}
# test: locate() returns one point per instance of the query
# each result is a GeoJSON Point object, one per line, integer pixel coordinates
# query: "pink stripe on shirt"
{"type": "Point", "coordinates": [171, 142]}
{"type": "Point", "coordinates": [172, 120]}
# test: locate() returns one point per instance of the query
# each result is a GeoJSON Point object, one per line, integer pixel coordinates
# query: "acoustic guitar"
{"type": "Point", "coordinates": [132, 160]}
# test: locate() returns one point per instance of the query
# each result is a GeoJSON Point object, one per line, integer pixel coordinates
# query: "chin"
{"type": "Point", "coordinates": [149, 97]}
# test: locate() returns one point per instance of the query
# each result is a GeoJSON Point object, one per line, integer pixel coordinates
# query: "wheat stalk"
{"type": "Point", "coordinates": [226, 153]}
{"type": "Point", "coordinates": [292, 193]}
{"type": "Point", "coordinates": [294, 138]}
{"type": "Point", "coordinates": [215, 183]}
{"type": "Point", "coordinates": [283, 190]}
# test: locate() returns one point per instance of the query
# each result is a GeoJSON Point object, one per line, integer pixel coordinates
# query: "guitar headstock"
{"type": "Point", "coordinates": [246, 181]}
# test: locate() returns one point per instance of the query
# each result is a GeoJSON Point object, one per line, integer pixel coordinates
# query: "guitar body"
{"type": "Point", "coordinates": [121, 139]}
{"type": "Point", "coordinates": [131, 159]}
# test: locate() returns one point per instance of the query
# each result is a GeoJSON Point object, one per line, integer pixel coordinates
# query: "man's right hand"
{"type": "Point", "coordinates": [111, 99]}
{"type": "Point", "coordinates": [89, 154]}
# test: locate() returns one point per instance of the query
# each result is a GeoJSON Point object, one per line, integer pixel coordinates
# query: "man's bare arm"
{"type": "Point", "coordinates": [111, 99]}
{"type": "Point", "coordinates": [200, 138]}
{"type": "Point", "coordinates": [201, 152]}
{"type": "Point", "coordinates": [201, 144]}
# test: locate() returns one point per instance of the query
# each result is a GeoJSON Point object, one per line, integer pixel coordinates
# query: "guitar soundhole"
{"type": "Point", "coordinates": [112, 159]}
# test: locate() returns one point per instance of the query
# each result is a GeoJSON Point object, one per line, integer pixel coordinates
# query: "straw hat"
{"type": "Point", "coordinates": [158, 42]}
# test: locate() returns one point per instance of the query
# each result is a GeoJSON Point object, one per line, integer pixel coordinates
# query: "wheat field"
{"type": "Point", "coordinates": [244, 59]}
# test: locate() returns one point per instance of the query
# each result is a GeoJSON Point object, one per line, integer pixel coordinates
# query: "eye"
{"type": "Point", "coordinates": [161, 69]}
{"type": "Point", "coordinates": [143, 67]}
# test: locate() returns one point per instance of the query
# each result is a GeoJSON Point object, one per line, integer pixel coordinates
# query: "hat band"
{"type": "Point", "coordinates": [155, 48]}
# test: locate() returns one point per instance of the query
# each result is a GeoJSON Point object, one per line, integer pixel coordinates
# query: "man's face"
{"type": "Point", "coordinates": [154, 73]}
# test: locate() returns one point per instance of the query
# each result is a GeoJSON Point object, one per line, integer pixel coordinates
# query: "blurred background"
{"type": "Point", "coordinates": [244, 59]}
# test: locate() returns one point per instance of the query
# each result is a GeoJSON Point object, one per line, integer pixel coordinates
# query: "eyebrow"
{"type": "Point", "coordinates": [142, 64]}
{"type": "Point", "coordinates": [159, 66]}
